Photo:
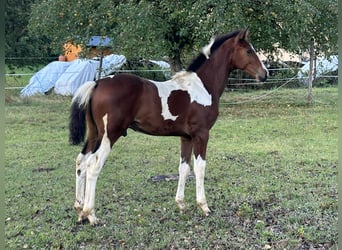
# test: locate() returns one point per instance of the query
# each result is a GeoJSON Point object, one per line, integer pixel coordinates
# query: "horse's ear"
{"type": "Point", "coordinates": [246, 33]}
{"type": "Point", "coordinates": [242, 36]}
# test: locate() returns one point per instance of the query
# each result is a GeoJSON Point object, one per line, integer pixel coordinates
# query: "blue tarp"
{"type": "Point", "coordinates": [96, 41]}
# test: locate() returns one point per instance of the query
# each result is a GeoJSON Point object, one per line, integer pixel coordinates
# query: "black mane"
{"type": "Point", "coordinates": [201, 58]}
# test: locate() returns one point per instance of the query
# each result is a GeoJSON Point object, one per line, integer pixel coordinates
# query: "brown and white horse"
{"type": "Point", "coordinates": [185, 106]}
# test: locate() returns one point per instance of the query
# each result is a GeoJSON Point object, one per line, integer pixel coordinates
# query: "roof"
{"type": "Point", "coordinates": [96, 41]}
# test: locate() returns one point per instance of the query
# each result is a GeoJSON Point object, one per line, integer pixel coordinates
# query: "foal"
{"type": "Point", "coordinates": [185, 106]}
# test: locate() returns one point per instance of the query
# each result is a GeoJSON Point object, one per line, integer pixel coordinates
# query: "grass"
{"type": "Point", "coordinates": [20, 76]}
{"type": "Point", "coordinates": [270, 180]}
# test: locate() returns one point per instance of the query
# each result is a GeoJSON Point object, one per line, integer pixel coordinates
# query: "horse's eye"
{"type": "Point", "coordinates": [249, 52]}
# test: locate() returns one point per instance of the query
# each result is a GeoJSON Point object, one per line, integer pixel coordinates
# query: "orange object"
{"type": "Point", "coordinates": [71, 51]}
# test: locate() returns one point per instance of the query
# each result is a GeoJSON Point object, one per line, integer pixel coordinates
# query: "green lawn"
{"type": "Point", "coordinates": [270, 179]}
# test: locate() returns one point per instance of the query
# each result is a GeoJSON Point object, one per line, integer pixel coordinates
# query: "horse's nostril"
{"type": "Point", "coordinates": [262, 78]}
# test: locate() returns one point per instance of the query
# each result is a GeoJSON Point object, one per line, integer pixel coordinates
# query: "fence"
{"type": "Point", "coordinates": [237, 80]}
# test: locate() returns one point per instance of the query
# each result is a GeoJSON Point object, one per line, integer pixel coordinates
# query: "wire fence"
{"type": "Point", "coordinates": [237, 80]}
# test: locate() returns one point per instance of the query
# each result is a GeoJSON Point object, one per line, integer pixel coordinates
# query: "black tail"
{"type": "Point", "coordinates": [77, 124]}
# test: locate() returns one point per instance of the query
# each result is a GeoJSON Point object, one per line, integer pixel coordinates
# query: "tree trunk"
{"type": "Point", "coordinates": [312, 55]}
{"type": "Point", "coordinates": [175, 63]}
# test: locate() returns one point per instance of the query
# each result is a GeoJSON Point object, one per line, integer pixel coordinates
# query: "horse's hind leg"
{"type": "Point", "coordinates": [81, 172]}
{"type": "Point", "coordinates": [94, 165]}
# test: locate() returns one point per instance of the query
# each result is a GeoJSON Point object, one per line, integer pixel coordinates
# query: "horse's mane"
{"type": "Point", "coordinates": [201, 58]}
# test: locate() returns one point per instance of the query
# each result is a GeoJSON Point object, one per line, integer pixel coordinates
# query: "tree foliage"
{"type": "Point", "coordinates": [18, 42]}
{"type": "Point", "coordinates": [176, 30]}
{"type": "Point", "coordinates": [71, 20]}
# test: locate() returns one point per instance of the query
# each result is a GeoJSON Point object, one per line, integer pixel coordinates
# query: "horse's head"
{"type": "Point", "coordinates": [245, 58]}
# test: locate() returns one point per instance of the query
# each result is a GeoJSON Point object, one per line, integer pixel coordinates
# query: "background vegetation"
{"type": "Point", "coordinates": [173, 32]}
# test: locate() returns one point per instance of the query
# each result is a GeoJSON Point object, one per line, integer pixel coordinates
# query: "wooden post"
{"type": "Point", "coordinates": [100, 67]}
{"type": "Point", "coordinates": [312, 55]}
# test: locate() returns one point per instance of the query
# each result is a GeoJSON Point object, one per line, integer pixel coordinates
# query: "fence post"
{"type": "Point", "coordinates": [312, 54]}
{"type": "Point", "coordinates": [100, 67]}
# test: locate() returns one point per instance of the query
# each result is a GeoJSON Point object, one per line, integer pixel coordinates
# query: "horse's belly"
{"type": "Point", "coordinates": [160, 127]}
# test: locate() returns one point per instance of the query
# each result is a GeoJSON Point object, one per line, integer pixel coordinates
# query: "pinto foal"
{"type": "Point", "coordinates": [185, 106]}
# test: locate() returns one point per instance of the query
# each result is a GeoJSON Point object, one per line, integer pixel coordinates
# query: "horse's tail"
{"type": "Point", "coordinates": [79, 105]}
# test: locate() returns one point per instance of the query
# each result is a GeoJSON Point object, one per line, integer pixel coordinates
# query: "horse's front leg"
{"type": "Point", "coordinates": [81, 172]}
{"type": "Point", "coordinates": [184, 170]}
{"type": "Point", "coordinates": [200, 147]}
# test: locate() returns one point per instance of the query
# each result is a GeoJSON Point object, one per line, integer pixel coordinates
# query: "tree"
{"type": "Point", "coordinates": [177, 30]}
{"type": "Point", "coordinates": [162, 29]}
{"type": "Point", "coordinates": [18, 42]}
{"type": "Point", "coordinates": [73, 20]}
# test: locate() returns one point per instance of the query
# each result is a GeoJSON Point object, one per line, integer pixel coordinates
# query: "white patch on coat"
{"type": "Point", "coordinates": [186, 81]}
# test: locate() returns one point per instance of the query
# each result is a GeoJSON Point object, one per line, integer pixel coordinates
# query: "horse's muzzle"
{"type": "Point", "coordinates": [262, 77]}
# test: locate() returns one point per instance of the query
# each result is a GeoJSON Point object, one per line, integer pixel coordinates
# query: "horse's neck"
{"type": "Point", "coordinates": [214, 74]}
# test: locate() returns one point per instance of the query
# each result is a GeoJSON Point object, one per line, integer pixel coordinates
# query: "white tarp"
{"type": "Point", "coordinates": [323, 66]}
{"type": "Point", "coordinates": [162, 64]}
{"type": "Point", "coordinates": [66, 77]}
{"type": "Point", "coordinates": [79, 72]}
{"type": "Point", "coordinates": [45, 79]}
{"type": "Point", "coordinates": [165, 66]}
{"type": "Point", "coordinates": [111, 63]}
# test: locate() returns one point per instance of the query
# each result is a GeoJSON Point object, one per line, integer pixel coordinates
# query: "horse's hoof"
{"type": "Point", "coordinates": [205, 209]}
{"type": "Point", "coordinates": [207, 212]}
{"type": "Point", "coordinates": [78, 207]}
{"type": "Point", "coordinates": [94, 221]}
{"type": "Point", "coordinates": [82, 221]}
{"type": "Point", "coordinates": [181, 206]}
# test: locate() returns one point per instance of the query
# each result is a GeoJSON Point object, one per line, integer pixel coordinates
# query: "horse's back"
{"type": "Point", "coordinates": [120, 83]}
{"type": "Point", "coordinates": [121, 97]}
{"type": "Point", "coordinates": [121, 87]}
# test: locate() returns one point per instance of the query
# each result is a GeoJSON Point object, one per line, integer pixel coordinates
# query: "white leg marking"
{"type": "Point", "coordinates": [184, 170]}
{"type": "Point", "coordinates": [199, 169]}
{"type": "Point", "coordinates": [95, 163]}
{"type": "Point", "coordinates": [81, 172]}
